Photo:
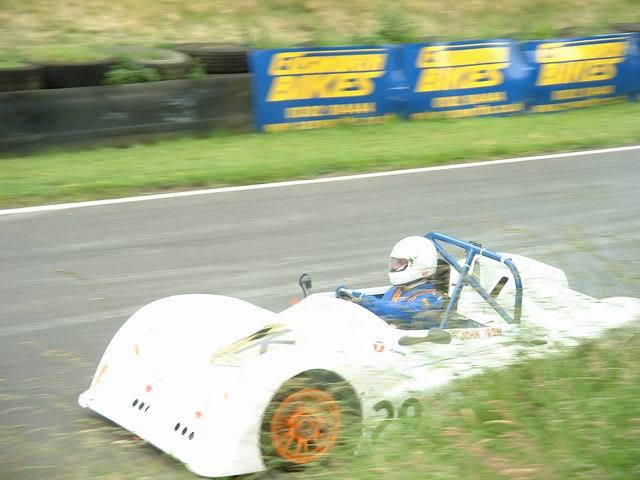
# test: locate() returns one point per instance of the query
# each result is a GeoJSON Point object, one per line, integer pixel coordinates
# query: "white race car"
{"type": "Point", "coordinates": [228, 387]}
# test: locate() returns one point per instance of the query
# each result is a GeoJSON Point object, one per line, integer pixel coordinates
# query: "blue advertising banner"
{"type": "Point", "coordinates": [303, 88]}
{"type": "Point", "coordinates": [583, 72]}
{"type": "Point", "coordinates": [466, 79]}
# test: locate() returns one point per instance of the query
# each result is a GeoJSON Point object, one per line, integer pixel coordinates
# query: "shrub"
{"type": "Point", "coordinates": [197, 71]}
{"type": "Point", "coordinates": [128, 72]}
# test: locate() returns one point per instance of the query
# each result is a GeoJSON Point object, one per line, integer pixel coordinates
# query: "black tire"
{"type": "Point", "coordinates": [27, 77]}
{"type": "Point", "coordinates": [72, 74]}
{"type": "Point", "coordinates": [313, 417]}
{"type": "Point", "coordinates": [216, 58]}
{"type": "Point", "coordinates": [173, 66]}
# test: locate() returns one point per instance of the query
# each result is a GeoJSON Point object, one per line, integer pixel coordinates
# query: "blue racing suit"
{"type": "Point", "coordinates": [418, 307]}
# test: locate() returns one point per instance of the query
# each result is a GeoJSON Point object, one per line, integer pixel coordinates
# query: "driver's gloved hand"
{"type": "Point", "coordinates": [346, 294]}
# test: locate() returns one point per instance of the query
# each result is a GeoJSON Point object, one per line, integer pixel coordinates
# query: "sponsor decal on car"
{"type": "Point", "coordinates": [260, 342]}
{"type": "Point", "coordinates": [476, 333]}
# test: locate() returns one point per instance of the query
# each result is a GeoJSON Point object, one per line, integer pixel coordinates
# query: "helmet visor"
{"type": "Point", "coordinates": [398, 264]}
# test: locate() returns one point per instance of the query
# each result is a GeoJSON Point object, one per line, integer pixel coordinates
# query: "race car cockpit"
{"type": "Point", "coordinates": [449, 280]}
{"type": "Point", "coordinates": [464, 276]}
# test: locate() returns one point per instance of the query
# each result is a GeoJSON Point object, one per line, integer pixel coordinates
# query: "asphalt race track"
{"type": "Point", "coordinates": [70, 278]}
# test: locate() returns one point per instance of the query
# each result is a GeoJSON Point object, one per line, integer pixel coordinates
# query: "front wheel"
{"type": "Point", "coordinates": [311, 418]}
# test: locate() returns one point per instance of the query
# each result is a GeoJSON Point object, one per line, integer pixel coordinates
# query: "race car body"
{"type": "Point", "coordinates": [224, 385]}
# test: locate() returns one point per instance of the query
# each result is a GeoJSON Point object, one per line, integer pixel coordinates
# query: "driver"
{"type": "Point", "coordinates": [413, 301]}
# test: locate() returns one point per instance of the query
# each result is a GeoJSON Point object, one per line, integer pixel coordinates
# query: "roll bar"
{"type": "Point", "coordinates": [473, 249]}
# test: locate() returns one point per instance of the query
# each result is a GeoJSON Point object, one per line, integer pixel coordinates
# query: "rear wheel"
{"type": "Point", "coordinates": [311, 418]}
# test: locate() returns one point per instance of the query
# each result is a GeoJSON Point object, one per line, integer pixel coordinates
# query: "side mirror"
{"type": "Point", "coordinates": [435, 335]}
{"type": "Point", "coordinates": [305, 283]}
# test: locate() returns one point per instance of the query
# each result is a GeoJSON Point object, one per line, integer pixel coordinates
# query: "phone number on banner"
{"type": "Point", "coordinates": [309, 124]}
{"type": "Point", "coordinates": [330, 110]}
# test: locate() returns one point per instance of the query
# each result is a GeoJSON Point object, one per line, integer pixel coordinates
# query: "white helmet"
{"type": "Point", "coordinates": [412, 258]}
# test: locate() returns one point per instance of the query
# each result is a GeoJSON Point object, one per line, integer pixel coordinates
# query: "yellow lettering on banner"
{"type": "Point", "coordinates": [446, 67]}
{"type": "Point", "coordinates": [452, 78]}
{"type": "Point", "coordinates": [444, 56]}
{"type": "Point", "coordinates": [567, 62]}
{"type": "Point", "coordinates": [309, 124]}
{"type": "Point", "coordinates": [334, 85]}
{"type": "Point", "coordinates": [308, 63]}
{"type": "Point", "coordinates": [563, 52]}
{"type": "Point", "coordinates": [577, 72]}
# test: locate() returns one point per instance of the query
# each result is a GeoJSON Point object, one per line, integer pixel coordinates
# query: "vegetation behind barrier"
{"type": "Point", "coordinates": [278, 23]}
{"type": "Point", "coordinates": [89, 31]}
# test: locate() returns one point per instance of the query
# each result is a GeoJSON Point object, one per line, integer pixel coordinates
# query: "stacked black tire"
{"type": "Point", "coordinates": [170, 64]}
{"type": "Point", "coordinates": [216, 58]}
{"type": "Point", "coordinates": [25, 77]}
{"type": "Point", "coordinates": [71, 75]}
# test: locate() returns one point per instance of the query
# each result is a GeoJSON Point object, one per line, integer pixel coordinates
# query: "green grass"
{"type": "Point", "coordinates": [11, 59]}
{"type": "Point", "coordinates": [236, 159]}
{"type": "Point", "coordinates": [67, 53]}
{"type": "Point", "coordinates": [12, 63]}
{"type": "Point", "coordinates": [573, 416]}
{"type": "Point", "coordinates": [30, 23]}
{"type": "Point", "coordinates": [140, 53]}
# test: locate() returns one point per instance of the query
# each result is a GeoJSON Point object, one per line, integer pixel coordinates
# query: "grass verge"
{"type": "Point", "coordinates": [573, 416]}
{"type": "Point", "coordinates": [232, 159]}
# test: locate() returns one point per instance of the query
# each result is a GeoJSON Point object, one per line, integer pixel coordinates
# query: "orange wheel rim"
{"type": "Point", "coordinates": [305, 425]}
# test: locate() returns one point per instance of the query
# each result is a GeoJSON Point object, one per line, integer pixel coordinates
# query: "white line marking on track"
{"type": "Point", "coordinates": [242, 188]}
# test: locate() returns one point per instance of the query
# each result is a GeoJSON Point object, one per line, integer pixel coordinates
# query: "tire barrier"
{"type": "Point", "coordinates": [170, 64]}
{"type": "Point", "coordinates": [216, 58]}
{"type": "Point", "coordinates": [308, 88]}
{"type": "Point", "coordinates": [76, 74]}
{"type": "Point", "coordinates": [26, 77]}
